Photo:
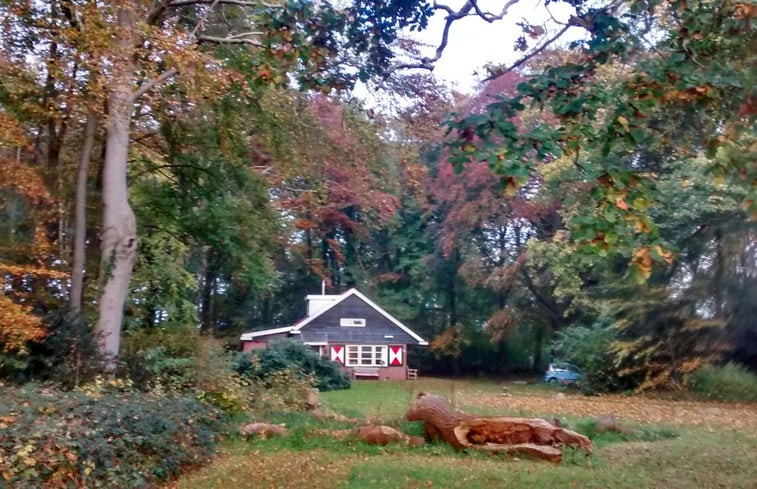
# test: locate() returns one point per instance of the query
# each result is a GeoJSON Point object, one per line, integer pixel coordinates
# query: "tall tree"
{"type": "Point", "coordinates": [292, 37]}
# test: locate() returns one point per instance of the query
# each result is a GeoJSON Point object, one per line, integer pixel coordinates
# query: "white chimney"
{"type": "Point", "coordinates": [317, 303]}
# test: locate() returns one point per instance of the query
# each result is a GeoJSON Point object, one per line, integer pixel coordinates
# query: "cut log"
{"type": "Point", "coordinates": [263, 430]}
{"type": "Point", "coordinates": [547, 452]}
{"type": "Point", "coordinates": [532, 436]}
{"type": "Point", "coordinates": [374, 435]}
{"type": "Point", "coordinates": [441, 419]}
{"type": "Point", "coordinates": [379, 435]}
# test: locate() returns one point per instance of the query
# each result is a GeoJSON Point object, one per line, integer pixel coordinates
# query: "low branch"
{"type": "Point", "coordinates": [244, 34]}
{"type": "Point", "coordinates": [229, 40]}
{"type": "Point", "coordinates": [147, 86]}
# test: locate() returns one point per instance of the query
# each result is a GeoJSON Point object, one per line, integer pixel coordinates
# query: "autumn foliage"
{"type": "Point", "coordinates": [25, 252]}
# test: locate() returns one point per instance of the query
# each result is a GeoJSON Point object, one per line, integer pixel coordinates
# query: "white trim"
{"type": "Point", "coordinates": [352, 292]}
{"type": "Point", "coordinates": [315, 343]}
{"type": "Point", "coordinates": [383, 349]}
{"type": "Point", "coordinates": [294, 329]}
{"type": "Point", "coordinates": [265, 332]}
{"type": "Point", "coordinates": [391, 318]}
{"type": "Point", "coordinates": [352, 322]}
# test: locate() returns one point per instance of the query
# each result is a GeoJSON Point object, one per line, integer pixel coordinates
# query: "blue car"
{"type": "Point", "coordinates": [563, 373]}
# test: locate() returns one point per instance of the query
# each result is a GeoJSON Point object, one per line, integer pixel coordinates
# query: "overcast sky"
{"type": "Point", "coordinates": [474, 42]}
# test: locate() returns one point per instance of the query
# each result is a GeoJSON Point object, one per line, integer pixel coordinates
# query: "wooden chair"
{"type": "Point", "coordinates": [412, 374]}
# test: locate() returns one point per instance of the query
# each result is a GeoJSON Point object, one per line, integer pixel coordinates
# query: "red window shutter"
{"type": "Point", "coordinates": [395, 355]}
{"type": "Point", "coordinates": [337, 354]}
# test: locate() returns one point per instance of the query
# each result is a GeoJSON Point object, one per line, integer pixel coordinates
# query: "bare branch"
{"type": "Point", "coordinates": [499, 72]}
{"type": "Point", "coordinates": [201, 22]}
{"type": "Point", "coordinates": [241, 3]}
{"type": "Point", "coordinates": [235, 39]}
{"type": "Point", "coordinates": [446, 8]}
{"type": "Point", "coordinates": [490, 17]}
{"type": "Point", "coordinates": [154, 15]}
{"type": "Point", "coordinates": [245, 34]}
{"type": "Point", "coordinates": [428, 63]}
{"type": "Point", "coordinates": [452, 16]}
{"type": "Point", "coordinates": [157, 12]}
{"type": "Point", "coordinates": [147, 86]}
{"type": "Point", "coordinates": [546, 7]}
{"type": "Point", "coordinates": [145, 135]}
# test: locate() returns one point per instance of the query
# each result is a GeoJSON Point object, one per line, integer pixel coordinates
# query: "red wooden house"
{"type": "Point", "coordinates": [353, 331]}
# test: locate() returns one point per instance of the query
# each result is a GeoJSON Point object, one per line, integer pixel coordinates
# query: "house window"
{"type": "Point", "coordinates": [366, 355]}
{"type": "Point", "coordinates": [352, 322]}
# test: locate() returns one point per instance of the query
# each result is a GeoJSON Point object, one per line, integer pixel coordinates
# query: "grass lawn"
{"type": "Point", "coordinates": [690, 445]}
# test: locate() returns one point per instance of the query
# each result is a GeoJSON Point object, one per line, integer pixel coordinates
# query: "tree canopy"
{"type": "Point", "coordinates": [204, 164]}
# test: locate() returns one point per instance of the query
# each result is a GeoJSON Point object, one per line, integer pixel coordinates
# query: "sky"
{"type": "Point", "coordinates": [474, 42]}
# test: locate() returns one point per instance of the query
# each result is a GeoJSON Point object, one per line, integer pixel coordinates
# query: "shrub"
{"type": "Point", "coordinates": [279, 392]}
{"type": "Point", "coordinates": [103, 438]}
{"type": "Point", "coordinates": [298, 359]}
{"type": "Point", "coordinates": [730, 382]}
{"type": "Point", "coordinates": [67, 355]}
{"type": "Point", "coordinates": [589, 349]}
{"type": "Point", "coordinates": [179, 361]}
{"type": "Point", "coordinates": [215, 381]}
{"type": "Point", "coordinates": [163, 357]}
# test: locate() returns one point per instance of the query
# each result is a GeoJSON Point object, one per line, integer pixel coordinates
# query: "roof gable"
{"type": "Point", "coordinates": [355, 293]}
{"type": "Point", "coordinates": [345, 303]}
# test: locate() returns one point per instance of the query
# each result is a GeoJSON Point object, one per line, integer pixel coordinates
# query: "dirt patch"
{"type": "Point", "coordinates": [634, 409]}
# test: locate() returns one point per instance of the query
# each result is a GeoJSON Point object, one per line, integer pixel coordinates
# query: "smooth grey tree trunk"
{"type": "Point", "coordinates": [119, 230]}
{"type": "Point", "coordinates": [80, 219]}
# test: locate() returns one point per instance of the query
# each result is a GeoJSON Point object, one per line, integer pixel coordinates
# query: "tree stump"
{"type": "Point", "coordinates": [532, 436]}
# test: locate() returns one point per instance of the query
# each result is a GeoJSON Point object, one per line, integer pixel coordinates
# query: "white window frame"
{"type": "Point", "coordinates": [376, 351]}
{"type": "Point", "coordinates": [352, 322]}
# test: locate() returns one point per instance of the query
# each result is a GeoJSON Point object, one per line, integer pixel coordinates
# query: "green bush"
{"type": "Point", "coordinates": [297, 358]}
{"type": "Point", "coordinates": [163, 357]}
{"type": "Point", "coordinates": [100, 438]}
{"type": "Point", "coordinates": [179, 361]}
{"type": "Point", "coordinates": [588, 348]}
{"type": "Point", "coordinates": [730, 382]}
{"type": "Point", "coordinates": [67, 355]}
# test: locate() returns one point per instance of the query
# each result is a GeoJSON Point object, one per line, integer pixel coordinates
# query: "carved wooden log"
{"type": "Point", "coordinates": [533, 436]}
{"type": "Point", "coordinates": [441, 418]}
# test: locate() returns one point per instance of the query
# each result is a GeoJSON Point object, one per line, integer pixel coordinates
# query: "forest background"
{"type": "Point", "coordinates": [175, 168]}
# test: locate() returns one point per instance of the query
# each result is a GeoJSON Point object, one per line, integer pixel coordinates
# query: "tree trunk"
{"type": "Point", "coordinates": [119, 232]}
{"type": "Point", "coordinates": [539, 336]}
{"type": "Point", "coordinates": [206, 292]}
{"type": "Point", "coordinates": [80, 222]}
{"type": "Point", "coordinates": [719, 272]}
{"type": "Point", "coordinates": [532, 436]}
